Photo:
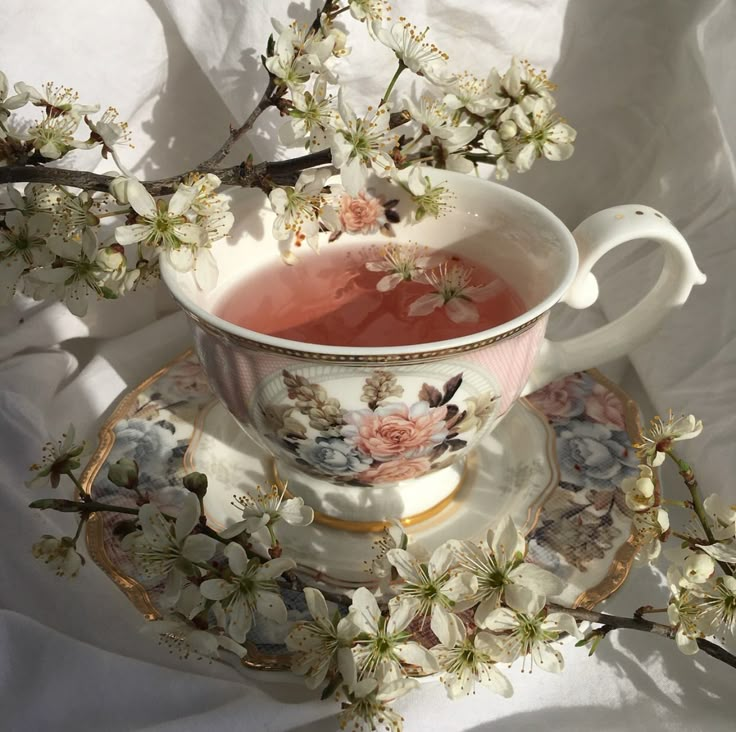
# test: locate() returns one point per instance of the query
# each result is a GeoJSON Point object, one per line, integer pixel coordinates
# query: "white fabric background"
{"type": "Point", "coordinates": [649, 87]}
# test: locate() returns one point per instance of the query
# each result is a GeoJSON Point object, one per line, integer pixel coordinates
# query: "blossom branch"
{"type": "Point", "coordinates": [267, 100]}
{"type": "Point", "coordinates": [618, 622]}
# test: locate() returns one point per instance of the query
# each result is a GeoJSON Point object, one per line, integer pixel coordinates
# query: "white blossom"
{"type": "Point", "coordinates": [454, 293]}
{"type": "Point", "coordinates": [432, 589]}
{"type": "Point", "coordinates": [478, 96]}
{"type": "Point", "coordinates": [683, 612]}
{"type": "Point", "coordinates": [530, 631]}
{"type": "Point", "coordinates": [501, 572]}
{"type": "Point", "coordinates": [185, 638]}
{"type": "Point", "coordinates": [414, 51]}
{"type": "Point", "coordinates": [84, 271]}
{"type": "Point", "coordinates": [57, 458]}
{"type": "Point", "coordinates": [428, 199]}
{"type": "Point", "coordinates": [53, 137]}
{"type": "Point", "coordinates": [690, 567]}
{"type": "Point", "coordinates": [648, 527]}
{"type": "Point", "coordinates": [252, 587]}
{"type": "Point", "coordinates": [311, 117]}
{"type": "Point", "coordinates": [322, 644]}
{"type": "Point", "coordinates": [662, 433]}
{"type": "Point", "coordinates": [469, 661]}
{"type": "Point", "coordinates": [300, 208]}
{"type": "Point", "coordinates": [8, 104]}
{"type": "Point", "coordinates": [723, 517]}
{"type": "Point", "coordinates": [402, 262]}
{"type": "Point", "coordinates": [22, 247]}
{"type": "Point", "coordinates": [383, 646]}
{"type": "Point", "coordinates": [361, 145]}
{"type": "Point", "coordinates": [168, 549]}
{"type": "Point", "coordinates": [368, 710]}
{"type": "Point", "coordinates": [433, 115]}
{"type": "Point", "coordinates": [369, 11]}
{"type": "Point", "coordinates": [718, 608]}
{"type": "Point", "coordinates": [299, 52]}
{"type": "Point", "coordinates": [59, 100]}
{"type": "Point", "coordinates": [160, 224]}
{"type": "Point", "coordinates": [59, 555]}
{"type": "Point", "coordinates": [266, 508]}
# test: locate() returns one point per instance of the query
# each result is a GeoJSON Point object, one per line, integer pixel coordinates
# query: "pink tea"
{"type": "Point", "coordinates": [371, 296]}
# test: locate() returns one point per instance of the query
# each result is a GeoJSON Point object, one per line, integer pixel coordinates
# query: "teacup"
{"type": "Point", "coordinates": [370, 434]}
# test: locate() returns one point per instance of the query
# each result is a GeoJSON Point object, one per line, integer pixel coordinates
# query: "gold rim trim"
{"type": "Point", "coordinates": [420, 356]}
{"type": "Point", "coordinates": [620, 567]}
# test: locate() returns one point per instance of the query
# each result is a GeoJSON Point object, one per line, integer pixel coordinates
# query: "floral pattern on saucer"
{"type": "Point", "coordinates": [582, 533]}
{"type": "Point", "coordinates": [586, 519]}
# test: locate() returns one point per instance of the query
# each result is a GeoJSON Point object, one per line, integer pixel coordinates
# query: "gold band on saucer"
{"type": "Point", "coordinates": [372, 526]}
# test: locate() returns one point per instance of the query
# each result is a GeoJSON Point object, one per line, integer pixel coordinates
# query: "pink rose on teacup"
{"type": "Point", "coordinates": [361, 214]}
{"type": "Point", "coordinates": [396, 430]}
{"type": "Point", "coordinates": [605, 407]}
{"type": "Point", "coordinates": [561, 398]}
{"type": "Point", "coordinates": [396, 470]}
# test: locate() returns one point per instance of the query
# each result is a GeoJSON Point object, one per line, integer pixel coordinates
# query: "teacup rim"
{"type": "Point", "coordinates": [377, 353]}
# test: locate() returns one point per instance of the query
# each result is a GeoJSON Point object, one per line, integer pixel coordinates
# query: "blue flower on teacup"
{"type": "Point", "coordinates": [332, 456]}
{"type": "Point", "coordinates": [591, 454]}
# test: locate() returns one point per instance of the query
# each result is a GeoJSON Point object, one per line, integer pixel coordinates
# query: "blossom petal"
{"type": "Point", "coordinates": [276, 567]}
{"type": "Point", "coordinates": [126, 235]}
{"type": "Point", "coordinates": [190, 234]}
{"type": "Point", "coordinates": [426, 304]}
{"type": "Point", "coordinates": [446, 626]}
{"type": "Point", "coordinates": [271, 606]}
{"type": "Point", "coordinates": [216, 589]}
{"type": "Point", "coordinates": [406, 565]}
{"type": "Point", "coordinates": [237, 558]}
{"type": "Point", "coordinates": [316, 603]}
{"type": "Point", "coordinates": [416, 655]}
{"type": "Point", "coordinates": [181, 200]}
{"type": "Point", "coordinates": [198, 548]}
{"type": "Point", "coordinates": [206, 272]}
{"type": "Point", "coordinates": [241, 620]}
{"type": "Point", "coordinates": [389, 282]}
{"type": "Point", "coordinates": [140, 199]}
{"type": "Point", "coordinates": [442, 559]}
{"type": "Point", "coordinates": [364, 611]}
{"type": "Point", "coordinates": [547, 658]}
{"type": "Point", "coordinates": [402, 613]}
{"type": "Point", "coordinates": [188, 516]}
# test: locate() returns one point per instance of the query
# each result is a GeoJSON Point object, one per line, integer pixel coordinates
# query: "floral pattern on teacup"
{"type": "Point", "coordinates": [388, 441]}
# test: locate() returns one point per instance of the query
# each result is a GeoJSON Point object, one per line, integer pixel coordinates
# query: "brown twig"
{"type": "Point", "coordinates": [266, 101]}
{"type": "Point", "coordinates": [611, 622]}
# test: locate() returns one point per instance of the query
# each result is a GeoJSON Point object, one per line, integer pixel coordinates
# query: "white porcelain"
{"type": "Point", "coordinates": [510, 473]}
{"type": "Point", "coordinates": [305, 403]}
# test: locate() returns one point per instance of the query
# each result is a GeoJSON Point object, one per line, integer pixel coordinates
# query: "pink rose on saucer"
{"type": "Point", "coordinates": [561, 398]}
{"type": "Point", "coordinates": [605, 407]}
{"type": "Point", "coordinates": [396, 430]}
{"type": "Point", "coordinates": [396, 470]}
{"type": "Point", "coordinates": [361, 214]}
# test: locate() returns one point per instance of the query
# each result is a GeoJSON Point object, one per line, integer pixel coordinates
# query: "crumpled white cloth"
{"type": "Point", "coordinates": [648, 86]}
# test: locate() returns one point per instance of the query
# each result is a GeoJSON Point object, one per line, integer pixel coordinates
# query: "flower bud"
{"type": "Point", "coordinates": [507, 130]}
{"type": "Point", "coordinates": [196, 483]}
{"type": "Point", "coordinates": [119, 189]}
{"type": "Point", "coordinates": [124, 473]}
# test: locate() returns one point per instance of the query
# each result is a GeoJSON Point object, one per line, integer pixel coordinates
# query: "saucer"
{"type": "Point", "coordinates": [555, 464]}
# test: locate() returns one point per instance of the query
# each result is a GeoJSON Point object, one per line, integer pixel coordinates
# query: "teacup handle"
{"type": "Point", "coordinates": [596, 236]}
